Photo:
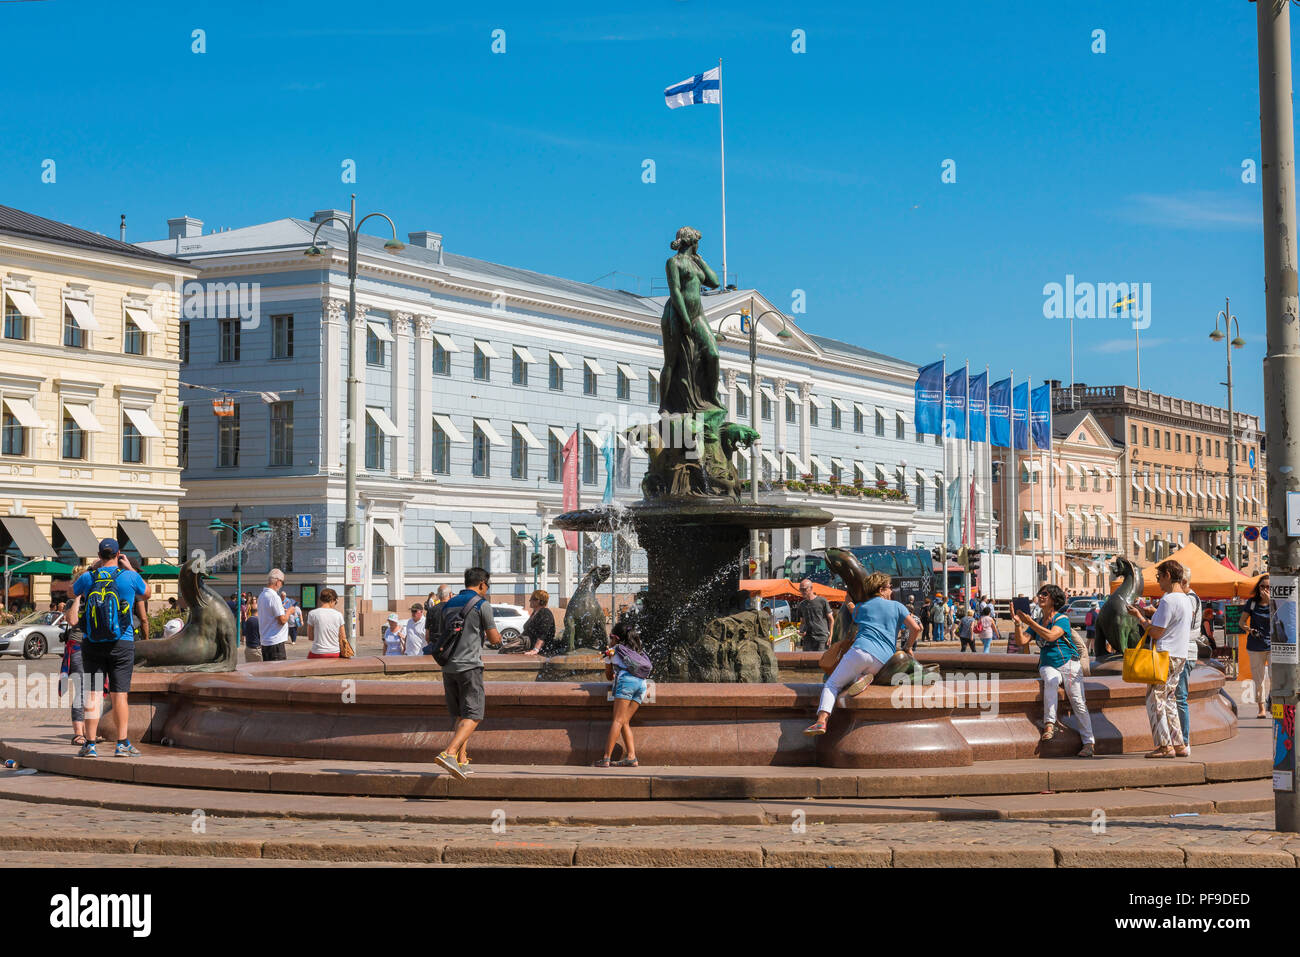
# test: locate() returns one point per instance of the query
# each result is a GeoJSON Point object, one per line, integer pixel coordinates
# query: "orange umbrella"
{"type": "Point", "coordinates": [784, 588]}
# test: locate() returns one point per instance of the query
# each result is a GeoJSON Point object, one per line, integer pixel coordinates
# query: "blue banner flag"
{"type": "Point", "coordinates": [1000, 413]}
{"type": "Point", "coordinates": [929, 399]}
{"type": "Point", "coordinates": [1040, 416]}
{"type": "Point", "coordinates": [1020, 415]}
{"type": "Point", "coordinates": [954, 411]}
{"type": "Point", "coordinates": [978, 399]}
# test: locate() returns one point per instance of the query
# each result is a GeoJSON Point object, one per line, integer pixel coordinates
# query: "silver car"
{"type": "Point", "coordinates": [1077, 610]}
{"type": "Point", "coordinates": [33, 636]}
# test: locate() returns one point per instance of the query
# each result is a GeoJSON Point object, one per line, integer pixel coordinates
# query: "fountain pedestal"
{"type": "Point", "coordinates": [696, 624]}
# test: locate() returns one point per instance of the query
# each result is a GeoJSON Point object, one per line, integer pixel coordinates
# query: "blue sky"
{"type": "Point", "coordinates": [1122, 166]}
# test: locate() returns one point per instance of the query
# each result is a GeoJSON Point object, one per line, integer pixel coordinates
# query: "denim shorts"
{"type": "Point", "coordinates": [629, 687]}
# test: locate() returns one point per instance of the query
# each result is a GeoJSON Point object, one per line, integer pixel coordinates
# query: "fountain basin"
{"type": "Point", "coordinates": [346, 710]}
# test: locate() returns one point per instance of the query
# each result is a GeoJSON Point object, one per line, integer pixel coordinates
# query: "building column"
{"type": "Point", "coordinates": [358, 363]}
{"type": "Point", "coordinates": [903, 536]}
{"type": "Point", "coordinates": [805, 433]}
{"type": "Point", "coordinates": [401, 465]}
{"type": "Point", "coordinates": [780, 548]}
{"type": "Point", "coordinates": [333, 316]}
{"type": "Point", "coordinates": [877, 535]}
{"type": "Point", "coordinates": [423, 396]}
{"type": "Point", "coordinates": [856, 534]}
{"type": "Point", "coordinates": [778, 422]}
{"type": "Point", "coordinates": [730, 376]}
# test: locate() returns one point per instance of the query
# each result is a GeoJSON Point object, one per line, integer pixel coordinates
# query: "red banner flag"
{"type": "Point", "coordinates": [570, 475]}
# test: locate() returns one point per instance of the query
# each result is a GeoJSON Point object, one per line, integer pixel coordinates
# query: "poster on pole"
{"type": "Point", "coordinates": [1282, 649]}
{"type": "Point", "coordinates": [1283, 747]}
{"type": "Point", "coordinates": [354, 560]}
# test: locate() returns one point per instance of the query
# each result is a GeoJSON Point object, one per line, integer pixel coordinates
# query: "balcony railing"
{"type": "Point", "coordinates": [1093, 544]}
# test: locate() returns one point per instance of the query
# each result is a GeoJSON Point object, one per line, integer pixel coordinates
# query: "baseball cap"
{"type": "Point", "coordinates": [393, 617]}
{"type": "Point", "coordinates": [109, 545]}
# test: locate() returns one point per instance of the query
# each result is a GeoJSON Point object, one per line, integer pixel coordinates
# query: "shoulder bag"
{"type": "Point", "coordinates": [1144, 665]}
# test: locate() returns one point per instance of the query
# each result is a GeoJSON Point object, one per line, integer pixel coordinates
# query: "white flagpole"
{"type": "Point", "coordinates": [943, 430]}
{"type": "Point", "coordinates": [1013, 490]}
{"type": "Point", "coordinates": [723, 139]}
{"type": "Point", "coordinates": [966, 497]}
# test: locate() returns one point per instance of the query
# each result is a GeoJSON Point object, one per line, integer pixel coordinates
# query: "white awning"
{"type": "Point", "coordinates": [1035, 517]}
{"type": "Point", "coordinates": [380, 329]}
{"type": "Point", "coordinates": [82, 415]}
{"type": "Point", "coordinates": [1137, 539]}
{"type": "Point", "coordinates": [654, 374]}
{"type": "Point", "coordinates": [921, 476]}
{"type": "Point", "coordinates": [1074, 469]}
{"type": "Point", "coordinates": [1137, 481]}
{"type": "Point", "coordinates": [901, 416]}
{"type": "Point", "coordinates": [627, 370]}
{"type": "Point", "coordinates": [558, 433]}
{"type": "Point", "coordinates": [594, 437]}
{"type": "Point", "coordinates": [821, 466]}
{"type": "Point", "coordinates": [1072, 510]}
{"type": "Point", "coordinates": [23, 412]}
{"type": "Point", "coordinates": [486, 348]}
{"type": "Point", "coordinates": [859, 407]}
{"type": "Point", "coordinates": [1146, 482]}
{"type": "Point", "coordinates": [1254, 498]}
{"type": "Point", "coordinates": [381, 419]}
{"type": "Point", "coordinates": [140, 316]}
{"type": "Point", "coordinates": [797, 463]}
{"type": "Point", "coordinates": [1059, 569]}
{"type": "Point", "coordinates": [742, 387]}
{"type": "Point", "coordinates": [1058, 470]}
{"type": "Point", "coordinates": [1033, 466]}
{"type": "Point", "coordinates": [1113, 472]}
{"type": "Point", "coordinates": [523, 354]}
{"type": "Point", "coordinates": [448, 534]}
{"type": "Point", "coordinates": [881, 474]}
{"type": "Point", "coordinates": [840, 404]}
{"type": "Point", "coordinates": [447, 426]}
{"type": "Point", "coordinates": [1200, 495]}
{"type": "Point", "coordinates": [484, 531]}
{"type": "Point", "coordinates": [860, 468]}
{"type": "Point", "coordinates": [979, 489]}
{"type": "Point", "coordinates": [817, 402]}
{"type": "Point", "coordinates": [1060, 519]}
{"type": "Point", "coordinates": [771, 459]}
{"type": "Point", "coordinates": [882, 411]}
{"type": "Point", "coordinates": [527, 436]}
{"type": "Point", "coordinates": [25, 303]}
{"type": "Point", "coordinates": [449, 345]}
{"type": "Point", "coordinates": [143, 424]}
{"type": "Point", "coordinates": [793, 396]}
{"type": "Point", "coordinates": [559, 360]}
{"type": "Point", "coordinates": [593, 365]}
{"type": "Point", "coordinates": [1102, 518]}
{"type": "Point", "coordinates": [485, 426]}
{"type": "Point", "coordinates": [837, 463]}
{"type": "Point", "coordinates": [767, 391]}
{"type": "Point", "coordinates": [388, 533]}
{"type": "Point", "coordinates": [81, 314]}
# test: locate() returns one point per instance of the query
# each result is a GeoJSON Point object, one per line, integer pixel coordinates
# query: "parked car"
{"type": "Point", "coordinates": [33, 636]}
{"type": "Point", "coordinates": [510, 620]}
{"type": "Point", "coordinates": [778, 608]}
{"type": "Point", "coordinates": [1077, 610]}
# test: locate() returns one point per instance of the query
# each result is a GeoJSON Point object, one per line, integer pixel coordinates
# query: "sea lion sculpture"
{"type": "Point", "coordinates": [1115, 626]}
{"type": "Point", "coordinates": [206, 643]}
{"type": "Point", "coordinates": [584, 619]}
{"type": "Point", "coordinates": [854, 576]}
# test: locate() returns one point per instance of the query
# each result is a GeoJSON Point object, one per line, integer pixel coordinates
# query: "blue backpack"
{"type": "Point", "coordinates": [107, 616]}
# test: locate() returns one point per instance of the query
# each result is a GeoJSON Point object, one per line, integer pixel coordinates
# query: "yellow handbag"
{"type": "Point", "coordinates": [1145, 665]}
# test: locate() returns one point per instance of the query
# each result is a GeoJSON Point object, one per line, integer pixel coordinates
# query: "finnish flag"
{"type": "Point", "coordinates": [701, 88]}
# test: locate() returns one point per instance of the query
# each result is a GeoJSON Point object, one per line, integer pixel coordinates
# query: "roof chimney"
{"type": "Point", "coordinates": [184, 227]}
{"type": "Point", "coordinates": [323, 215]}
{"type": "Point", "coordinates": [427, 240]}
{"type": "Point", "coordinates": [122, 229]}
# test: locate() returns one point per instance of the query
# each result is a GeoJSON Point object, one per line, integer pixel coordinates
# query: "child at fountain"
{"type": "Point", "coordinates": [628, 667]}
{"type": "Point", "coordinates": [879, 619]}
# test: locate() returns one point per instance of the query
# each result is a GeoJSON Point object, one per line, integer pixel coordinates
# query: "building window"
{"type": "Point", "coordinates": [791, 473]}
{"type": "Point", "coordinates": [228, 439]}
{"type": "Point", "coordinates": [624, 387]}
{"type": "Point", "coordinates": [1157, 439]}
{"type": "Point", "coordinates": [837, 473]}
{"type": "Point", "coordinates": [652, 387]}
{"type": "Point", "coordinates": [518, 554]}
{"type": "Point", "coordinates": [374, 444]}
{"type": "Point", "coordinates": [375, 352]}
{"type": "Point", "coordinates": [920, 493]}
{"type": "Point", "coordinates": [132, 443]}
{"type": "Point", "coordinates": [441, 359]}
{"type": "Point", "coordinates": [282, 339]}
{"type": "Point", "coordinates": [900, 430]}
{"type": "Point", "coordinates": [590, 469]}
{"type": "Point", "coordinates": [812, 413]}
{"type": "Point", "coordinates": [74, 438]}
{"type": "Point", "coordinates": [518, 371]}
{"type": "Point", "coordinates": [554, 459]}
{"type": "Point", "coordinates": [590, 380]}
{"type": "Point", "coordinates": [482, 367]}
{"type": "Point", "coordinates": [765, 407]}
{"type": "Point", "coordinates": [283, 531]}
{"type": "Point", "coordinates": [185, 342]}
{"type": "Point", "coordinates": [15, 321]}
{"type": "Point", "coordinates": [441, 450]}
{"type": "Point", "coordinates": [837, 417]}
{"type": "Point", "coordinates": [13, 437]}
{"type": "Point", "coordinates": [858, 424]}
{"type": "Point", "coordinates": [518, 456]}
{"type": "Point", "coordinates": [1218, 449]}
{"type": "Point", "coordinates": [228, 330]}
{"type": "Point", "coordinates": [880, 425]}
{"type": "Point", "coordinates": [441, 556]}
{"type": "Point", "coordinates": [1166, 441]}
{"type": "Point", "coordinates": [133, 340]}
{"type": "Point", "coordinates": [282, 434]}
{"type": "Point", "coordinates": [1146, 435]}
{"type": "Point", "coordinates": [742, 405]}
{"type": "Point", "coordinates": [74, 337]}
{"type": "Point", "coordinates": [553, 555]}
{"type": "Point", "coordinates": [482, 456]}
{"type": "Point", "coordinates": [1069, 480]}
{"type": "Point", "coordinates": [183, 443]}
{"type": "Point", "coordinates": [1178, 441]}
{"type": "Point", "coordinates": [379, 564]}
{"type": "Point", "coordinates": [555, 379]}
{"type": "Point", "coordinates": [938, 495]}
{"type": "Point", "coordinates": [791, 410]}
{"type": "Point", "coordinates": [482, 552]}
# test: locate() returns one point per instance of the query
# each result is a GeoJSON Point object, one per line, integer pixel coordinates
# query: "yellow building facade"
{"type": "Point", "coordinates": [89, 410]}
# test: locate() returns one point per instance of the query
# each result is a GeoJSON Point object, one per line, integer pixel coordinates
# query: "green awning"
{"type": "Point", "coordinates": [161, 570]}
{"type": "Point", "coordinates": [44, 568]}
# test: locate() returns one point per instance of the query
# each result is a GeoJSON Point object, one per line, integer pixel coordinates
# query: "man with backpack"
{"type": "Point", "coordinates": [108, 595]}
{"type": "Point", "coordinates": [455, 633]}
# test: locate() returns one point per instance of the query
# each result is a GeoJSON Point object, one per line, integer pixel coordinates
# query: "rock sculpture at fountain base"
{"type": "Point", "coordinates": [735, 648]}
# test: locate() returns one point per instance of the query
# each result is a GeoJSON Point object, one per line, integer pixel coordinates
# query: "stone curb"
{"type": "Point", "coordinates": [1238, 857]}
{"type": "Point", "coordinates": [966, 855]}
{"type": "Point", "coordinates": [1109, 855]}
{"type": "Point", "coordinates": [598, 854]}
{"type": "Point", "coordinates": [804, 856]}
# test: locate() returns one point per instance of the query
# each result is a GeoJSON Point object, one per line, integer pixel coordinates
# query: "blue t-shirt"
{"type": "Point", "coordinates": [1057, 653]}
{"type": "Point", "coordinates": [128, 585]}
{"type": "Point", "coordinates": [878, 622]}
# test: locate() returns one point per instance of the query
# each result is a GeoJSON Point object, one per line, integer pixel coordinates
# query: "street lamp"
{"type": "Point", "coordinates": [351, 528]}
{"type": "Point", "coordinates": [1226, 315]}
{"type": "Point", "coordinates": [216, 525]}
{"type": "Point", "coordinates": [537, 543]}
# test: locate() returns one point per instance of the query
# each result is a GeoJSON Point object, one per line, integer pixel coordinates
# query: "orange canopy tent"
{"type": "Point", "coordinates": [1210, 579]}
{"type": "Point", "coordinates": [784, 588]}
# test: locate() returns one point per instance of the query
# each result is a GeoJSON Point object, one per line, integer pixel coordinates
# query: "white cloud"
{"type": "Point", "coordinates": [1195, 209]}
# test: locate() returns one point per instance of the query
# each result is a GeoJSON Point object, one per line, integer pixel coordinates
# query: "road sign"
{"type": "Point", "coordinates": [304, 526]}
{"type": "Point", "coordinates": [1251, 533]}
{"type": "Point", "coordinates": [1263, 532]}
{"type": "Point", "coordinates": [354, 563]}
{"type": "Point", "coordinates": [1250, 455]}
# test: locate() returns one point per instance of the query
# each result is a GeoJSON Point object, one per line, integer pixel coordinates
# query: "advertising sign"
{"type": "Point", "coordinates": [354, 562]}
{"type": "Point", "coordinates": [1283, 747]}
{"type": "Point", "coordinates": [1283, 609]}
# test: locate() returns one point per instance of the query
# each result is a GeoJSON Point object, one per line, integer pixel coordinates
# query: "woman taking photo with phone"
{"type": "Point", "coordinates": [1058, 662]}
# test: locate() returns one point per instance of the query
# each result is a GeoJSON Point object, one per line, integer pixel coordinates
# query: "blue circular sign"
{"type": "Point", "coordinates": [1250, 456]}
{"type": "Point", "coordinates": [1263, 533]}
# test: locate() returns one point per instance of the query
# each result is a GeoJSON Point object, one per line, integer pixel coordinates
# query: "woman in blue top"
{"type": "Point", "coordinates": [1058, 662]}
{"type": "Point", "coordinates": [878, 618]}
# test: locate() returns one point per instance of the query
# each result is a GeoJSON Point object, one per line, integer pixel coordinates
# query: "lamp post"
{"type": "Point", "coordinates": [240, 531]}
{"type": "Point", "coordinates": [1226, 315]}
{"type": "Point", "coordinates": [351, 528]}
{"type": "Point", "coordinates": [537, 542]}
{"type": "Point", "coordinates": [9, 570]}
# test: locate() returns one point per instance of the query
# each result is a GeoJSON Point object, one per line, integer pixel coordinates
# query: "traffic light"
{"type": "Point", "coordinates": [537, 561]}
{"type": "Point", "coordinates": [963, 557]}
{"type": "Point", "coordinates": [1245, 557]}
{"type": "Point", "coordinates": [937, 554]}
{"type": "Point", "coordinates": [1220, 551]}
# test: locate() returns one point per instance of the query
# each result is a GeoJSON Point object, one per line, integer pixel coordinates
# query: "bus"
{"type": "Point", "coordinates": [910, 569]}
